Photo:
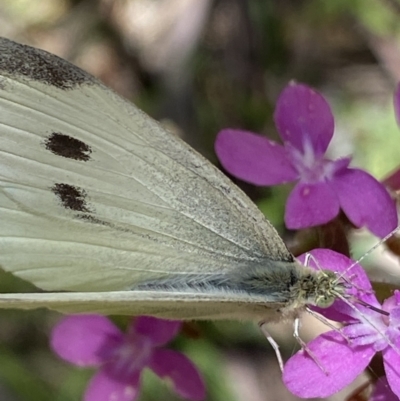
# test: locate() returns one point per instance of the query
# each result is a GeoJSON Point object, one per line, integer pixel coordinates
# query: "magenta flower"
{"type": "Point", "coordinates": [305, 123]}
{"type": "Point", "coordinates": [94, 341]}
{"type": "Point", "coordinates": [345, 354]}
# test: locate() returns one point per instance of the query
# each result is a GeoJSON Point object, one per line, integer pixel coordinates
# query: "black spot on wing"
{"type": "Point", "coordinates": [91, 219]}
{"type": "Point", "coordinates": [67, 146]}
{"type": "Point", "coordinates": [39, 65]}
{"type": "Point", "coordinates": [72, 198]}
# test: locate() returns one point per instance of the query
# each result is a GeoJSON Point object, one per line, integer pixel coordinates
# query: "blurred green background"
{"type": "Point", "coordinates": [199, 66]}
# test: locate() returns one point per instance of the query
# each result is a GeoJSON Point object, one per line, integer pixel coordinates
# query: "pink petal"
{"type": "Point", "coordinates": [395, 317]}
{"type": "Point", "coordinates": [365, 333]}
{"type": "Point", "coordinates": [392, 305]}
{"type": "Point", "coordinates": [391, 362]}
{"type": "Point", "coordinates": [310, 205]}
{"type": "Point", "coordinates": [382, 391]}
{"type": "Point", "coordinates": [392, 302]}
{"type": "Point", "coordinates": [84, 340]}
{"type": "Point", "coordinates": [342, 364]}
{"type": "Point", "coordinates": [303, 117]}
{"type": "Point", "coordinates": [253, 158]}
{"type": "Point", "coordinates": [338, 165]}
{"type": "Point", "coordinates": [180, 371]}
{"type": "Point", "coordinates": [103, 387]}
{"type": "Point", "coordinates": [365, 201]}
{"type": "Point", "coordinates": [159, 331]}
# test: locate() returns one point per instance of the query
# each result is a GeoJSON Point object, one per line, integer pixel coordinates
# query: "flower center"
{"type": "Point", "coordinates": [311, 168]}
{"type": "Point", "coordinates": [131, 356]}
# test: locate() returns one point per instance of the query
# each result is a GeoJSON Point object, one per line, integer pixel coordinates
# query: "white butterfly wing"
{"type": "Point", "coordinates": [183, 305]}
{"type": "Point", "coordinates": [96, 196]}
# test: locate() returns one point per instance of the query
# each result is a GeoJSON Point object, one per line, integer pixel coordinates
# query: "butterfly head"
{"type": "Point", "coordinates": [319, 288]}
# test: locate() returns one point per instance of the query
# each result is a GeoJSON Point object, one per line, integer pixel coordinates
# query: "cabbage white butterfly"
{"type": "Point", "coordinates": [107, 211]}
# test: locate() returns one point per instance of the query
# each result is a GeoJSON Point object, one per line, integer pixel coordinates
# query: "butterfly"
{"type": "Point", "coordinates": [107, 212]}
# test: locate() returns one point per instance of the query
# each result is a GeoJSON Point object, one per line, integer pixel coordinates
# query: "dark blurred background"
{"type": "Point", "coordinates": [199, 66]}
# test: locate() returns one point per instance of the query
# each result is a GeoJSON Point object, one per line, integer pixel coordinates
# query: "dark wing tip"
{"type": "Point", "coordinates": [39, 65]}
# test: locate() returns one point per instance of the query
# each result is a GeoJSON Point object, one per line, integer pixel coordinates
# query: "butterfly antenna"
{"type": "Point", "coordinates": [379, 243]}
{"type": "Point", "coordinates": [384, 239]}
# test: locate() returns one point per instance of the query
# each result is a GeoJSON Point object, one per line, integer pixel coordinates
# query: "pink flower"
{"type": "Point", "coordinates": [345, 354]}
{"type": "Point", "coordinates": [94, 341]}
{"type": "Point", "coordinates": [305, 123]}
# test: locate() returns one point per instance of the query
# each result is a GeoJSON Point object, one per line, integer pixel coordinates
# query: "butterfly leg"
{"type": "Point", "coordinates": [273, 343]}
{"type": "Point", "coordinates": [303, 345]}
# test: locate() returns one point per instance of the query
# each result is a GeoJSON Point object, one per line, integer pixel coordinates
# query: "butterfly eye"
{"type": "Point", "coordinates": [67, 146]}
{"type": "Point", "coordinates": [325, 301]}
